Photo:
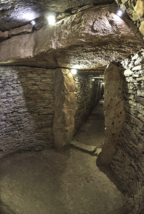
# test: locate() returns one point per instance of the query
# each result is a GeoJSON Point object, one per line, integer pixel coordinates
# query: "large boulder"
{"type": "Point", "coordinates": [86, 40]}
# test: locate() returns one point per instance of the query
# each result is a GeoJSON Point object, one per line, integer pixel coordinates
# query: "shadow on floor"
{"type": "Point", "coordinates": [111, 175]}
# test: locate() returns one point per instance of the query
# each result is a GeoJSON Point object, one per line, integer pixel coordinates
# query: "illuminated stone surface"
{"type": "Point", "coordinates": [87, 40]}
{"type": "Point", "coordinates": [128, 162]}
{"type": "Point", "coordinates": [135, 10]}
{"type": "Point", "coordinates": [15, 13]}
{"type": "Point", "coordinates": [64, 107]}
{"type": "Point", "coordinates": [21, 30]}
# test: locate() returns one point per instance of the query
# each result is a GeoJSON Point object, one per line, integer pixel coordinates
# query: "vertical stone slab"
{"type": "Point", "coordinates": [64, 108]}
{"type": "Point", "coordinates": [113, 111]}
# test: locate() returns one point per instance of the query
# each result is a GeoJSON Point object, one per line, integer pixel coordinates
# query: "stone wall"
{"type": "Point", "coordinates": [135, 10]}
{"type": "Point", "coordinates": [64, 108]}
{"type": "Point", "coordinates": [26, 108]}
{"type": "Point", "coordinates": [88, 93]}
{"type": "Point", "coordinates": [128, 162]}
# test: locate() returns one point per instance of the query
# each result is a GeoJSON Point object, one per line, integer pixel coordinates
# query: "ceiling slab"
{"type": "Point", "coordinates": [15, 13]}
{"type": "Point", "coordinates": [86, 40]}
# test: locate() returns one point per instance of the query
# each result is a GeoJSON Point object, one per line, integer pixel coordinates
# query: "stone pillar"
{"type": "Point", "coordinates": [64, 108]}
{"type": "Point", "coordinates": [113, 111]}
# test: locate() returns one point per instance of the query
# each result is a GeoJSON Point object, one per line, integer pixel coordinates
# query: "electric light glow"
{"type": "Point", "coordinates": [119, 13]}
{"type": "Point", "coordinates": [74, 71]}
{"type": "Point", "coordinates": [33, 22]}
{"type": "Point", "coordinates": [51, 19]}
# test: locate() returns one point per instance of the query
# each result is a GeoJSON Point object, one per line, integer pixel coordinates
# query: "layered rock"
{"type": "Point", "coordinates": [87, 40]}
{"type": "Point", "coordinates": [128, 162]}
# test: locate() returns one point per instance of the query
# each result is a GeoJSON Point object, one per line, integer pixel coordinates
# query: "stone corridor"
{"type": "Point", "coordinates": [57, 154]}
{"type": "Point", "coordinates": [92, 131]}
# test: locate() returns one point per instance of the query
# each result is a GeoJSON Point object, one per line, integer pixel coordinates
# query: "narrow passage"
{"type": "Point", "coordinates": [92, 131]}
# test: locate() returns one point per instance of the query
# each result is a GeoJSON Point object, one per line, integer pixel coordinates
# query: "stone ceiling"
{"type": "Point", "coordinates": [14, 13]}
{"type": "Point", "coordinates": [87, 40]}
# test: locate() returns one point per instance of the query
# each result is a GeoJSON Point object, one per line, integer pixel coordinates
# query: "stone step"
{"type": "Point", "coordinates": [88, 148]}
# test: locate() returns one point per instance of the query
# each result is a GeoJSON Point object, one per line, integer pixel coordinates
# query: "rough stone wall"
{"type": "Point", "coordinates": [113, 111]}
{"type": "Point", "coordinates": [135, 10]}
{"type": "Point", "coordinates": [88, 93]}
{"type": "Point", "coordinates": [128, 162]}
{"type": "Point", "coordinates": [64, 108]}
{"type": "Point", "coordinates": [26, 108]}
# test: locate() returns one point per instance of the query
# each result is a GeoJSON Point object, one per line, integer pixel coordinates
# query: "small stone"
{"type": "Point", "coordinates": [140, 93]}
{"type": "Point", "coordinates": [82, 146]}
{"type": "Point", "coordinates": [139, 67]}
{"type": "Point", "coordinates": [141, 117]}
{"type": "Point", "coordinates": [128, 72]}
{"type": "Point", "coordinates": [135, 57]}
{"type": "Point", "coordinates": [138, 61]}
{"type": "Point", "coordinates": [133, 15]}
{"type": "Point", "coordinates": [131, 65]}
{"type": "Point", "coordinates": [123, 7]}
{"type": "Point", "coordinates": [140, 79]}
{"type": "Point", "coordinates": [135, 75]}
{"type": "Point", "coordinates": [98, 151]}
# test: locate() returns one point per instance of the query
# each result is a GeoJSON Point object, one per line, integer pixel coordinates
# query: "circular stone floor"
{"type": "Point", "coordinates": [48, 182]}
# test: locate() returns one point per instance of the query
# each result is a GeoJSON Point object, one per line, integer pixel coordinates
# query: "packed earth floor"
{"type": "Point", "coordinates": [49, 182]}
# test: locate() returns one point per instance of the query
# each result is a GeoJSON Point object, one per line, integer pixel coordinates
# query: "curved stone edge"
{"type": "Point", "coordinates": [113, 110]}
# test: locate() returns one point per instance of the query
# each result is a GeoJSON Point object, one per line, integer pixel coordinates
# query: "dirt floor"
{"type": "Point", "coordinates": [49, 182]}
{"type": "Point", "coordinates": [92, 131]}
